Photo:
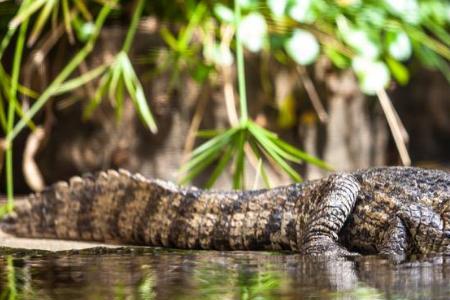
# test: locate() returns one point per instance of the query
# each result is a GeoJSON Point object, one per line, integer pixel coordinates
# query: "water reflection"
{"type": "Point", "coordinates": [214, 275]}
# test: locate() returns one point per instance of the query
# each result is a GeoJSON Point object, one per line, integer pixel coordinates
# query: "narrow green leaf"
{"type": "Point", "coordinates": [200, 156]}
{"type": "Point", "coordinates": [208, 133]}
{"type": "Point", "coordinates": [218, 170]}
{"type": "Point", "coordinates": [215, 140]}
{"type": "Point", "coordinates": [103, 86]}
{"type": "Point", "coordinates": [168, 37]}
{"type": "Point", "coordinates": [63, 74]}
{"type": "Point", "coordinates": [398, 70]}
{"type": "Point", "coordinates": [12, 104]}
{"type": "Point", "coordinates": [82, 8]}
{"type": "Point", "coordinates": [338, 59]}
{"type": "Point", "coordinates": [265, 177]}
{"type": "Point", "coordinates": [266, 142]}
{"type": "Point", "coordinates": [238, 176]}
{"type": "Point", "coordinates": [67, 18]}
{"type": "Point", "coordinates": [144, 108]}
{"type": "Point", "coordinates": [119, 99]}
{"type": "Point", "coordinates": [80, 80]}
{"type": "Point", "coordinates": [301, 154]}
{"type": "Point", "coordinates": [194, 21]}
{"type": "Point", "coordinates": [2, 115]}
{"type": "Point", "coordinates": [116, 71]}
{"type": "Point", "coordinates": [42, 19]}
{"type": "Point", "coordinates": [132, 28]}
{"type": "Point", "coordinates": [262, 171]}
{"type": "Point", "coordinates": [439, 32]}
{"type": "Point", "coordinates": [266, 132]}
{"type": "Point", "coordinates": [5, 81]}
{"type": "Point", "coordinates": [26, 12]}
{"type": "Point", "coordinates": [136, 92]}
{"type": "Point", "coordinates": [428, 41]}
{"type": "Point", "coordinates": [27, 91]}
{"type": "Point", "coordinates": [195, 170]}
{"type": "Point", "coordinates": [55, 14]}
{"type": "Point", "coordinates": [5, 41]}
{"type": "Point", "coordinates": [271, 152]}
{"type": "Point", "coordinates": [283, 164]}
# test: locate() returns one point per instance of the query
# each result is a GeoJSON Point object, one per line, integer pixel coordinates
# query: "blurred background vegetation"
{"type": "Point", "coordinates": [236, 93]}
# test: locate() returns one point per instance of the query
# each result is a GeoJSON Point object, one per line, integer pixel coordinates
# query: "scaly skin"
{"type": "Point", "coordinates": [394, 211]}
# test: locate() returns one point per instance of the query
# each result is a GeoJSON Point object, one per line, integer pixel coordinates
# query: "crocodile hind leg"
{"type": "Point", "coordinates": [418, 229]}
{"type": "Point", "coordinates": [318, 231]}
{"type": "Point", "coordinates": [428, 230]}
{"type": "Point", "coordinates": [396, 241]}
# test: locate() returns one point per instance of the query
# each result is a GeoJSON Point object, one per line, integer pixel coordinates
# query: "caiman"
{"type": "Point", "coordinates": [395, 211]}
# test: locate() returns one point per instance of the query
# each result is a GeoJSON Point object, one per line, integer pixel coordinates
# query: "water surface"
{"type": "Point", "coordinates": [165, 274]}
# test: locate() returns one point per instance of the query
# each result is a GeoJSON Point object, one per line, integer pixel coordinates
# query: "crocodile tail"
{"type": "Point", "coordinates": [109, 207]}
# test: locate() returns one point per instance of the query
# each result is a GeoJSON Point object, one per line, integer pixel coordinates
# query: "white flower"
{"type": "Point", "coordinates": [358, 39]}
{"type": "Point", "coordinates": [302, 47]}
{"type": "Point", "coordinates": [400, 46]}
{"type": "Point", "coordinates": [218, 55]}
{"type": "Point", "coordinates": [301, 11]}
{"type": "Point", "coordinates": [373, 75]}
{"type": "Point", "coordinates": [277, 7]}
{"type": "Point", "coordinates": [408, 10]}
{"type": "Point", "coordinates": [253, 30]}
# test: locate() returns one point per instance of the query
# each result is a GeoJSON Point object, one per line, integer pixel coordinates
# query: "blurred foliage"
{"type": "Point", "coordinates": [380, 41]}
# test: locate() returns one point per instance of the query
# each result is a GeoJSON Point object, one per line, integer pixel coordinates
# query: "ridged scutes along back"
{"type": "Point", "coordinates": [101, 207]}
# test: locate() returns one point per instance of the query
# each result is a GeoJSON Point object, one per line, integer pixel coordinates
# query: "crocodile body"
{"type": "Point", "coordinates": [391, 210]}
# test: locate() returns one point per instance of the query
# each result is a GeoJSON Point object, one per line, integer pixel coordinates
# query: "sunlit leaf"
{"type": "Point", "coordinates": [168, 37]}
{"type": "Point", "coordinates": [337, 58]}
{"type": "Point", "coordinates": [224, 13]}
{"type": "Point", "coordinates": [248, 4]}
{"type": "Point", "coordinates": [399, 71]}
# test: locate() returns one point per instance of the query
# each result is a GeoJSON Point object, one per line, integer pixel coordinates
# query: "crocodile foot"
{"type": "Point", "coordinates": [325, 246]}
